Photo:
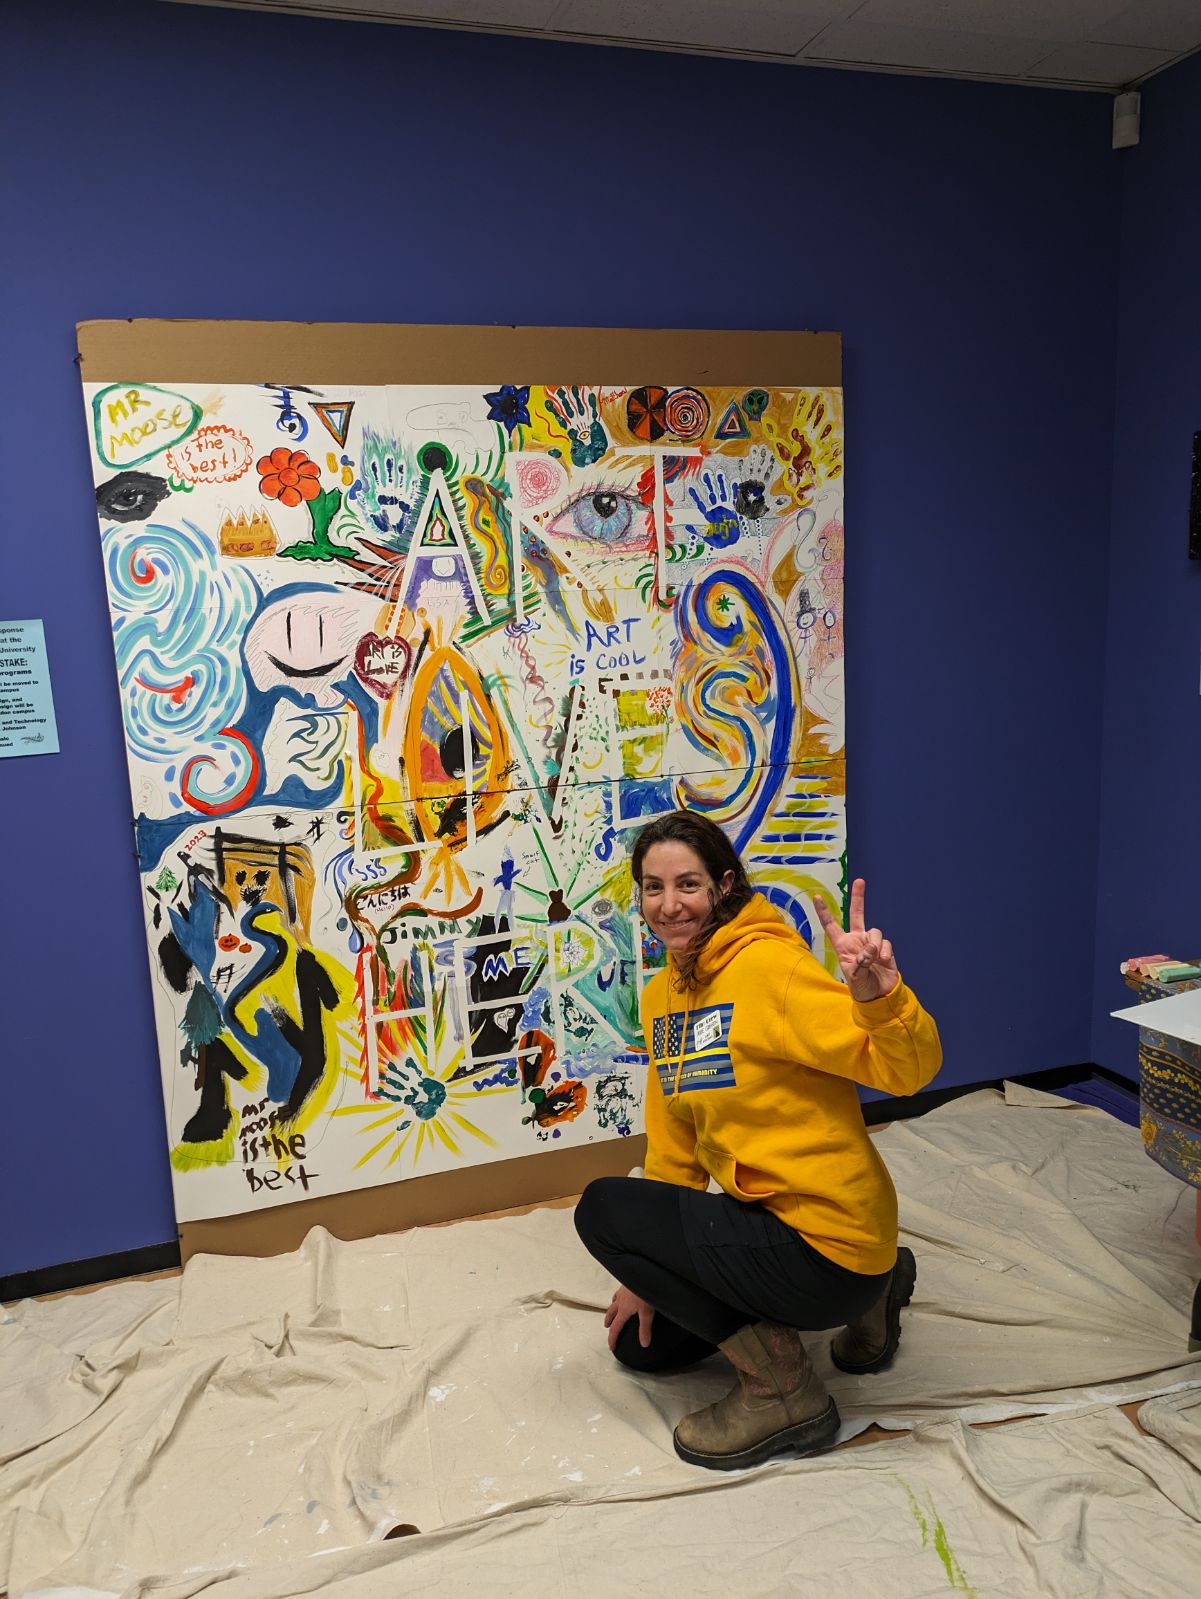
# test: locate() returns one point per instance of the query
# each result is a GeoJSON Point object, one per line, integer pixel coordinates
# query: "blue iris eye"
{"type": "Point", "coordinates": [604, 516]}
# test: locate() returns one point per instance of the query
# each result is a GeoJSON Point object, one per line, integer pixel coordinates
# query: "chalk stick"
{"type": "Point", "coordinates": [1136, 961]}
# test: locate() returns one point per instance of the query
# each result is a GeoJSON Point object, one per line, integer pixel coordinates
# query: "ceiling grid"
{"type": "Point", "coordinates": [1105, 45]}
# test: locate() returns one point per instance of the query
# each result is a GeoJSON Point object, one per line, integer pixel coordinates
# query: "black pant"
{"type": "Point", "coordinates": [710, 1264]}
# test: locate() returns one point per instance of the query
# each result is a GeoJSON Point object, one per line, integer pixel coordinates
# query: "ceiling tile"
{"type": "Point", "coordinates": [1153, 24]}
{"type": "Point", "coordinates": [765, 27]}
{"type": "Point", "coordinates": [1108, 65]}
{"type": "Point", "coordinates": [1003, 19]}
{"type": "Point", "coordinates": [1103, 44]}
{"type": "Point", "coordinates": [925, 49]}
{"type": "Point", "coordinates": [475, 13]}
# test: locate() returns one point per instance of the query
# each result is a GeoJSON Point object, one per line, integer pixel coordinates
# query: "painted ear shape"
{"type": "Point", "coordinates": [737, 698]}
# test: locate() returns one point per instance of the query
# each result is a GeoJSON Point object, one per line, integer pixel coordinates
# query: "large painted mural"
{"type": "Point", "coordinates": [402, 671]}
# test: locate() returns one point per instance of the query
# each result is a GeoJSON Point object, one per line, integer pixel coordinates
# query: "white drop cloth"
{"type": "Point", "coordinates": [260, 1411]}
{"type": "Point", "coordinates": [1068, 1507]}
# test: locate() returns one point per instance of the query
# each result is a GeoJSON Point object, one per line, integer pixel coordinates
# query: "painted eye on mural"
{"type": "Point", "coordinates": [605, 516]}
{"type": "Point", "coordinates": [131, 496]}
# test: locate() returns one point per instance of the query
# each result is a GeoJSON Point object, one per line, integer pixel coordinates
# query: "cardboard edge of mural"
{"type": "Point", "coordinates": [415, 1202]}
{"type": "Point", "coordinates": [184, 351]}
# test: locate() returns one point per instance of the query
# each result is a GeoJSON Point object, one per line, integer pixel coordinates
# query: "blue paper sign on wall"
{"type": "Point", "coordinates": [27, 725]}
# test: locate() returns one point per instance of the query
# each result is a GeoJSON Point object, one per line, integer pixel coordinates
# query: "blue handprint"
{"type": "Point", "coordinates": [404, 1084]}
{"type": "Point", "coordinates": [381, 483]}
{"type": "Point", "coordinates": [718, 509]}
{"type": "Point", "coordinates": [579, 413]}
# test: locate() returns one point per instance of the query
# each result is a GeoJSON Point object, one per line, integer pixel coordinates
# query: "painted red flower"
{"type": "Point", "coordinates": [289, 476]}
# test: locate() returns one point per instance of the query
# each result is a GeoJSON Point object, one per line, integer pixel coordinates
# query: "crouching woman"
{"type": "Point", "coordinates": [754, 1053]}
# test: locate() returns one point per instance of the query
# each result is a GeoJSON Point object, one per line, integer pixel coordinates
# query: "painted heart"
{"type": "Point", "coordinates": [381, 664]}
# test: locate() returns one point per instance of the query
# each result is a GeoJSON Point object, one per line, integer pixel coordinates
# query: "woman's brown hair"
{"type": "Point", "coordinates": [718, 855]}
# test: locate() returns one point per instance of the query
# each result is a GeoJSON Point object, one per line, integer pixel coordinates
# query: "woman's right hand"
{"type": "Point", "coordinates": [624, 1305]}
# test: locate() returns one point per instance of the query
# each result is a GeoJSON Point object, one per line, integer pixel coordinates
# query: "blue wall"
{"type": "Point", "coordinates": [179, 161]}
{"type": "Point", "coordinates": [1149, 875]}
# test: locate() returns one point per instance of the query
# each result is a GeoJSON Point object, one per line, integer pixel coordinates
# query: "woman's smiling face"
{"type": "Point", "coordinates": [678, 893]}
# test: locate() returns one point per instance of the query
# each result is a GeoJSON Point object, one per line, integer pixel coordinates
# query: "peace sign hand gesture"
{"type": "Point", "coordinates": [864, 954]}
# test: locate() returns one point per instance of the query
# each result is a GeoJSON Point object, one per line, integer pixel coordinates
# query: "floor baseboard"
{"type": "Point", "coordinates": [88, 1273]}
{"type": "Point", "coordinates": [876, 1111]}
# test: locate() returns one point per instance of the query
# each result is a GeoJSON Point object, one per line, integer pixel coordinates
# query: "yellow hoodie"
{"type": "Point", "coordinates": [752, 1079]}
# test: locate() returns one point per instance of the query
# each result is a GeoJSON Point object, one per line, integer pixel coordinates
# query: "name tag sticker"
{"type": "Point", "coordinates": [706, 1030]}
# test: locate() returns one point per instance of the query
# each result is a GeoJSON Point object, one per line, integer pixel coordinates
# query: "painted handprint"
{"type": "Point", "coordinates": [718, 509]}
{"type": "Point", "coordinates": [753, 499]}
{"type": "Point", "coordinates": [811, 449]}
{"type": "Point", "coordinates": [380, 484]}
{"type": "Point", "coordinates": [578, 410]}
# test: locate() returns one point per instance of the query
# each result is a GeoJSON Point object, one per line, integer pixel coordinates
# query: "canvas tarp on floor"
{"type": "Point", "coordinates": [261, 1411]}
{"type": "Point", "coordinates": [1064, 1507]}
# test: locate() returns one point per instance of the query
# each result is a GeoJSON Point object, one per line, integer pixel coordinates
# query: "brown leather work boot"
{"type": "Point", "coordinates": [777, 1405]}
{"type": "Point", "coordinates": [870, 1343]}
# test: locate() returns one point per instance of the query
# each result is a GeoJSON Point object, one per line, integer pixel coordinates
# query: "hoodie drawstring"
{"type": "Point", "coordinates": [675, 1087]}
{"type": "Point", "coordinates": [654, 1064]}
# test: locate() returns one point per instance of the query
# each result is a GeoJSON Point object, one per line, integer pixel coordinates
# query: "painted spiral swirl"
{"type": "Point", "coordinates": [179, 615]}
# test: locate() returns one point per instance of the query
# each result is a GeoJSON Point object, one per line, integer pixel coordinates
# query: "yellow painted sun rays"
{"type": "Point", "coordinates": [426, 1117]}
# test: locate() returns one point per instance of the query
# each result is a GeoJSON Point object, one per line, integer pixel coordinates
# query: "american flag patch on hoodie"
{"type": "Point", "coordinates": [706, 1049]}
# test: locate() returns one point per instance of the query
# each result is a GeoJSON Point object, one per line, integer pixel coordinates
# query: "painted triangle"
{"type": "Point", "coordinates": [732, 424]}
{"type": "Point", "coordinates": [335, 416]}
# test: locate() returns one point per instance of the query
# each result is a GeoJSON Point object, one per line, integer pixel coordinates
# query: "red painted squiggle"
{"type": "Point", "coordinates": [144, 574]}
{"type": "Point", "coordinates": [538, 684]}
{"type": "Point", "coordinates": [235, 801]}
{"type": "Point", "coordinates": [177, 691]}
